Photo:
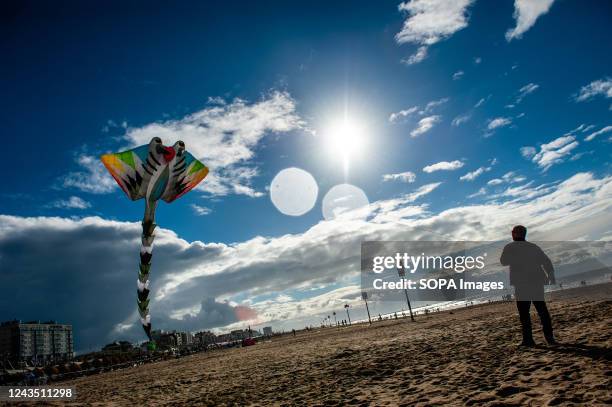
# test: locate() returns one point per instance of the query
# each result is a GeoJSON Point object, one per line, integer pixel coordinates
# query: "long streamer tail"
{"type": "Point", "coordinates": [146, 253]}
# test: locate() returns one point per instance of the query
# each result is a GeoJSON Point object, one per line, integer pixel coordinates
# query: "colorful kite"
{"type": "Point", "coordinates": [153, 172]}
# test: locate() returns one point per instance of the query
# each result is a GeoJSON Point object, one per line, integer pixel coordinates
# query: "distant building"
{"type": "Point", "coordinates": [225, 338]}
{"type": "Point", "coordinates": [36, 343]}
{"type": "Point", "coordinates": [172, 338]}
{"type": "Point", "coordinates": [267, 330]}
{"type": "Point", "coordinates": [120, 346]}
{"type": "Point", "coordinates": [239, 334]}
{"type": "Point", "coordinates": [165, 338]}
{"type": "Point", "coordinates": [186, 338]}
{"type": "Point", "coordinates": [205, 338]}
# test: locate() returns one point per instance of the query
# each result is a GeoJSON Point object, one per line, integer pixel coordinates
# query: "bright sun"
{"type": "Point", "coordinates": [345, 140]}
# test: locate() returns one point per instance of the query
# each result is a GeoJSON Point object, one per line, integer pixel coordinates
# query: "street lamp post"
{"type": "Point", "coordinates": [402, 273]}
{"type": "Point", "coordinates": [364, 295]}
{"type": "Point", "coordinates": [346, 306]}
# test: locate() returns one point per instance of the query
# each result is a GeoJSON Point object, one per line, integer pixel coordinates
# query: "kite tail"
{"type": "Point", "coordinates": [146, 253]}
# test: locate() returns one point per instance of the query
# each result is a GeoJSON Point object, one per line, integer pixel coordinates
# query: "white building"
{"type": "Point", "coordinates": [35, 342]}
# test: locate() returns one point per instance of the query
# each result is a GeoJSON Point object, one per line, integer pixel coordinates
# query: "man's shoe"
{"type": "Point", "coordinates": [551, 341]}
{"type": "Point", "coordinates": [527, 344]}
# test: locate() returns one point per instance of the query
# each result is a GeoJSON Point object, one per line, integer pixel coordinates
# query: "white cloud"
{"type": "Point", "coordinates": [582, 128]}
{"type": "Point", "coordinates": [417, 57]}
{"type": "Point", "coordinates": [459, 120]}
{"type": "Point", "coordinates": [477, 60]}
{"type": "Point", "coordinates": [578, 156]}
{"type": "Point", "coordinates": [601, 87]}
{"type": "Point", "coordinates": [433, 104]}
{"type": "Point", "coordinates": [74, 202]}
{"type": "Point", "coordinates": [406, 113]}
{"type": "Point", "coordinates": [480, 192]}
{"type": "Point", "coordinates": [425, 124]}
{"type": "Point", "coordinates": [224, 138]}
{"type": "Point", "coordinates": [92, 177]}
{"type": "Point", "coordinates": [526, 12]}
{"type": "Point", "coordinates": [471, 176]}
{"type": "Point", "coordinates": [526, 90]}
{"type": "Point", "coordinates": [605, 130]}
{"type": "Point", "coordinates": [402, 114]}
{"type": "Point", "coordinates": [457, 75]}
{"type": "Point", "coordinates": [421, 192]}
{"type": "Point", "coordinates": [528, 151]}
{"type": "Point", "coordinates": [554, 152]}
{"type": "Point", "coordinates": [246, 190]}
{"type": "Point", "coordinates": [200, 210]}
{"type": "Point", "coordinates": [482, 101]}
{"type": "Point", "coordinates": [508, 178]}
{"type": "Point", "coordinates": [407, 176]}
{"type": "Point", "coordinates": [444, 166]}
{"type": "Point", "coordinates": [431, 21]}
{"type": "Point", "coordinates": [498, 122]}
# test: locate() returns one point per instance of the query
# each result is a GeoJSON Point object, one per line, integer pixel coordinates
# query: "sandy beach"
{"type": "Point", "coordinates": [467, 357]}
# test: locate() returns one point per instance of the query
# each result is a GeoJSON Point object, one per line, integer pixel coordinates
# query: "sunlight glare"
{"type": "Point", "coordinates": [345, 140]}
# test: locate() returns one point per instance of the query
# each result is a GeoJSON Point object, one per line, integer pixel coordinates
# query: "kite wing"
{"type": "Point", "coordinates": [185, 173]}
{"type": "Point", "coordinates": [132, 170]}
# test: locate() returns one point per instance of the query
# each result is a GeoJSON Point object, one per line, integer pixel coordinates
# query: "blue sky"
{"type": "Point", "coordinates": [466, 110]}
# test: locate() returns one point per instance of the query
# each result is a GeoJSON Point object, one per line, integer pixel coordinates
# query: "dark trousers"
{"type": "Point", "coordinates": [540, 306]}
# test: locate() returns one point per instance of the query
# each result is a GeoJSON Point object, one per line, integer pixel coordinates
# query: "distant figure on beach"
{"type": "Point", "coordinates": [530, 271]}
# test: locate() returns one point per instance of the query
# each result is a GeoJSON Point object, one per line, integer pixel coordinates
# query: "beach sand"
{"type": "Point", "coordinates": [466, 357]}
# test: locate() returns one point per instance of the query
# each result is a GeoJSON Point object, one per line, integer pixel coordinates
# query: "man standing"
{"type": "Point", "coordinates": [530, 270]}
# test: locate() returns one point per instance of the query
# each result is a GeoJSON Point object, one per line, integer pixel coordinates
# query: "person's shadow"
{"type": "Point", "coordinates": [590, 351]}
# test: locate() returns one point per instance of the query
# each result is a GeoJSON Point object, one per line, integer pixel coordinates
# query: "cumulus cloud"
{"type": "Point", "coordinates": [526, 12]}
{"type": "Point", "coordinates": [92, 176]}
{"type": "Point", "coordinates": [482, 101]}
{"type": "Point", "coordinates": [425, 124]}
{"type": "Point", "coordinates": [498, 122]}
{"type": "Point", "coordinates": [554, 152]}
{"type": "Point", "coordinates": [472, 175]}
{"type": "Point", "coordinates": [201, 210]}
{"type": "Point", "coordinates": [195, 284]}
{"type": "Point", "coordinates": [458, 75]}
{"type": "Point", "coordinates": [444, 166]}
{"type": "Point", "coordinates": [526, 90]}
{"type": "Point", "coordinates": [528, 151]}
{"type": "Point", "coordinates": [583, 128]}
{"type": "Point", "coordinates": [431, 21]}
{"type": "Point", "coordinates": [407, 176]}
{"type": "Point", "coordinates": [459, 120]}
{"type": "Point", "coordinates": [508, 178]}
{"type": "Point", "coordinates": [402, 114]}
{"type": "Point", "coordinates": [418, 56]}
{"type": "Point", "coordinates": [74, 202]}
{"type": "Point", "coordinates": [605, 130]}
{"type": "Point", "coordinates": [421, 192]}
{"type": "Point", "coordinates": [429, 107]}
{"type": "Point", "coordinates": [481, 192]}
{"type": "Point", "coordinates": [600, 87]}
{"type": "Point", "coordinates": [405, 114]}
{"type": "Point", "coordinates": [224, 136]}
